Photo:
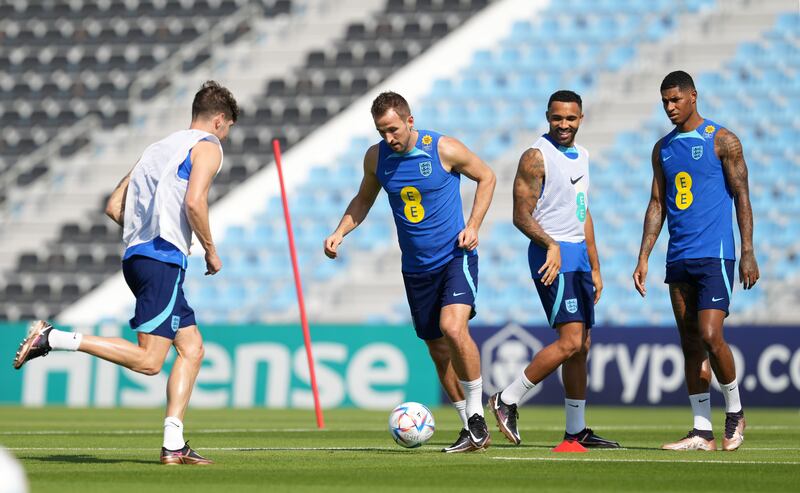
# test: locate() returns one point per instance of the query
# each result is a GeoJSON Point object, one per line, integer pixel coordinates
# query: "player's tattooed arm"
{"type": "Point", "coordinates": [730, 152]}
{"type": "Point", "coordinates": [653, 220]}
{"type": "Point", "coordinates": [359, 207]}
{"type": "Point", "coordinates": [527, 192]}
{"type": "Point", "coordinates": [115, 206]}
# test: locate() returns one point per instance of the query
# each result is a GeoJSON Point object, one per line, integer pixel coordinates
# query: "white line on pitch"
{"type": "Point", "coordinates": [156, 431]}
{"type": "Point", "coordinates": [666, 461]}
{"type": "Point", "coordinates": [222, 449]}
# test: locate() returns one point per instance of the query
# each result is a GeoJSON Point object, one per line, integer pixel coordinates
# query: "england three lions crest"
{"type": "Point", "coordinates": [571, 305]}
{"type": "Point", "coordinates": [697, 152]}
{"type": "Point", "coordinates": [425, 168]}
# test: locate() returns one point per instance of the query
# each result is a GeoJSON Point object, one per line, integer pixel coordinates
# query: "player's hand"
{"type": "Point", "coordinates": [332, 243]}
{"type": "Point", "coordinates": [598, 285]}
{"type": "Point", "coordinates": [639, 276]}
{"type": "Point", "coordinates": [468, 238]}
{"type": "Point", "coordinates": [552, 264]}
{"type": "Point", "coordinates": [213, 263]}
{"type": "Point", "coordinates": [748, 270]}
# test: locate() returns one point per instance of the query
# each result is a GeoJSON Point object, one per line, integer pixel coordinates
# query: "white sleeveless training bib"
{"type": "Point", "coordinates": [155, 203]}
{"type": "Point", "coordinates": [561, 209]}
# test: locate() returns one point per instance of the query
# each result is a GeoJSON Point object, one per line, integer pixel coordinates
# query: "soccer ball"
{"type": "Point", "coordinates": [12, 476]}
{"type": "Point", "coordinates": [411, 424]}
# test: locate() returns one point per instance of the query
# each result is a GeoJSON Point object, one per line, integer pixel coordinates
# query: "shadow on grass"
{"type": "Point", "coordinates": [86, 459]}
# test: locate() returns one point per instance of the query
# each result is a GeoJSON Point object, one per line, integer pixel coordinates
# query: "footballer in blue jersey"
{"type": "Point", "coordinates": [420, 170]}
{"type": "Point", "coordinates": [699, 175]}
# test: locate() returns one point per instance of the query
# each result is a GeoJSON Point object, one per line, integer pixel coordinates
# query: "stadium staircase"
{"type": "Point", "coordinates": [57, 246]}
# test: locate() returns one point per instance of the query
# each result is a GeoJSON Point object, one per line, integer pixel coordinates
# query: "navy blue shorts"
{"type": "Point", "coordinates": [454, 283]}
{"type": "Point", "coordinates": [161, 308]}
{"type": "Point", "coordinates": [569, 299]}
{"type": "Point", "coordinates": [710, 276]}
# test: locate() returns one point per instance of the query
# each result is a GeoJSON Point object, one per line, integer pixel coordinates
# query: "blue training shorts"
{"type": "Point", "coordinates": [454, 283]}
{"type": "Point", "coordinates": [569, 299]}
{"type": "Point", "coordinates": [161, 308]}
{"type": "Point", "coordinates": [710, 276]}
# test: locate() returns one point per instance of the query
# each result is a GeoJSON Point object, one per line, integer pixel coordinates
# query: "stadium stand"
{"type": "Point", "coordinates": [502, 92]}
{"type": "Point", "coordinates": [496, 107]}
{"type": "Point", "coordinates": [289, 109]}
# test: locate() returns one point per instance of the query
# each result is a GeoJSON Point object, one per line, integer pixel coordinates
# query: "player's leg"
{"type": "Point", "coordinates": [504, 403]}
{"type": "Point", "coordinates": [714, 297]}
{"type": "Point", "coordinates": [190, 351]}
{"type": "Point", "coordinates": [156, 286]}
{"type": "Point", "coordinates": [457, 306]}
{"type": "Point", "coordinates": [467, 367]}
{"type": "Point", "coordinates": [424, 292]}
{"type": "Point", "coordinates": [189, 346]}
{"type": "Point", "coordinates": [147, 357]}
{"type": "Point", "coordinates": [440, 355]}
{"type": "Point", "coordinates": [560, 303]}
{"type": "Point", "coordinates": [439, 351]}
{"type": "Point", "coordinates": [573, 374]}
{"type": "Point", "coordinates": [683, 296]}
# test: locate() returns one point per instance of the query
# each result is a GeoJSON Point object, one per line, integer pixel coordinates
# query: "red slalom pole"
{"type": "Point", "coordinates": [276, 149]}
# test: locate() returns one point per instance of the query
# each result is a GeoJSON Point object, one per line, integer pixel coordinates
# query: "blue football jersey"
{"type": "Point", "coordinates": [699, 203]}
{"type": "Point", "coordinates": [425, 201]}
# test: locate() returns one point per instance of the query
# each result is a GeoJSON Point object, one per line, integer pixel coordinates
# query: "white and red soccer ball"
{"type": "Point", "coordinates": [411, 424]}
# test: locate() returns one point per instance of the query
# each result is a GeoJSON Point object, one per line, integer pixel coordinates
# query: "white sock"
{"type": "Point", "coordinates": [173, 434]}
{"type": "Point", "coordinates": [461, 407]}
{"type": "Point", "coordinates": [731, 393]}
{"type": "Point", "coordinates": [576, 420]}
{"type": "Point", "coordinates": [517, 390]}
{"type": "Point", "coordinates": [473, 391]}
{"type": "Point", "coordinates": [64, 341]}
{"type": "Point", "coordinates": [701, 408]}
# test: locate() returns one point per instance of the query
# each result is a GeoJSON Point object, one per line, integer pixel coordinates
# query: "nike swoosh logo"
{"type": "Point", "coordinates": [703, 400]}
{"type": "Point", "coordinates": [388, 172]}
{"type": "Point", "coordinates": [576, 180]}
{"type": "Point", "coordinates": [459, 294]}
{"type": "Point", "coordinates": [474, 438]}
{"type": "Point", "coordinates": [574, 405]}
{"type": "Point", "coordinates": [717, 299]}
{"type": "Point", "coordinates": [666, 158]}
{"type": "Point", "coordinates": [732, 389]}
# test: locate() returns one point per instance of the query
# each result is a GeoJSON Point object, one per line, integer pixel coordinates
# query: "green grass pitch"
{"type": "Point", "coordinates": [87, 450]}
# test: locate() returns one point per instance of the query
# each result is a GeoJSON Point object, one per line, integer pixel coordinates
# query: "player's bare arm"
{"type": "Point", "coordinates": [729, 150]}
{"type": "Point", "coordinates": [594, 258]}
{"type": "Point", "coordinates": [457, 157]}
{"type": "Point", "coordinates": [359, 207]}
{"type": "Point", "coordinates": [527, 192]}
{"type": "Point", "coordinates": [206, 160]}
{"type": "Point", "coordinates": [115, 207]}
{"type": "Point", "coordinates": [653, 220]}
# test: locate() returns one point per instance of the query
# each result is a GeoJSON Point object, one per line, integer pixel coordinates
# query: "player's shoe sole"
{"type": "Point", "coordinates": [184, 456]}
{"type": "Point", "coordinates": [34, 345]}
{"type": "Point", "coordinates": [588, 439]}
{"type": "Point", "coordinates": [692, 443]}
{"type": "Point", "coordinates": [504, 414]}
{"type": "Point", "coordinates": [734, 431]}
{"type": "Point", "coordinates": [461, 445]}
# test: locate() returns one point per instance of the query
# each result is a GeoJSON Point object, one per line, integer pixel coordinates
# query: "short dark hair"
{"type": "Point", "coordinates": [390, 101]}
{"type": "Point", "coordinates": [679, 79]}
{"type": "Point", "coordinates": [565, 96]}
{"type": "Point", "coordinates": [213, 98]}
